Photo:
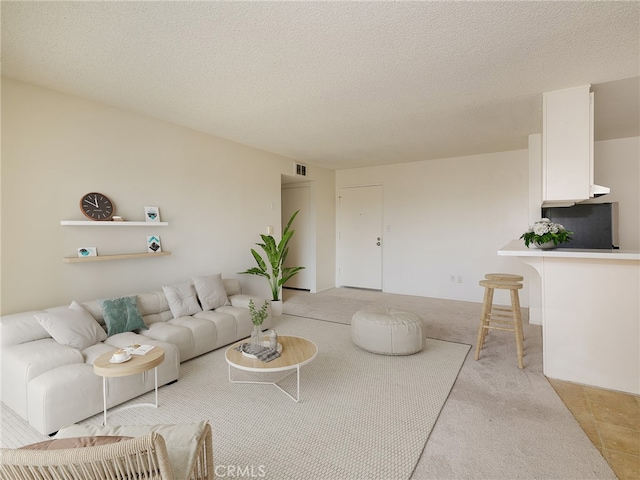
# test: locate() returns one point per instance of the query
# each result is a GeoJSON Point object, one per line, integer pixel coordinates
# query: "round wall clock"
{"type": "Point", "coordinates": [96, 206]}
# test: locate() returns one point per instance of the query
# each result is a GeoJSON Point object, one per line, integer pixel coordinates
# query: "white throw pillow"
{"type": "Point", "coordinates": [182, 300]}
{"type": "Point", "coordinates": [73, 326]}
{"type": "Point", "coordinates": [211, 292]}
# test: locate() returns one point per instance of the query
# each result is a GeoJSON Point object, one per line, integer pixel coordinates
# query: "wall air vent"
{"type": "Point", "coordinates": [299, 169]}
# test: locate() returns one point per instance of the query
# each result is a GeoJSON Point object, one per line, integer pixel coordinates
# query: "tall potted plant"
{"type": "Point", "coordinates": [273, 268]}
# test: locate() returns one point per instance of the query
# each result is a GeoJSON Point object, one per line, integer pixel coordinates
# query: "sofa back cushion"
{"type": "Point", "coordinates": [232, 286]}
{"type": "Point", "coordinates": [23, 327]}
{"type": "Point", "coordinates": [20, 328]}
{"type": "Point", "coordinates": [153, 307]}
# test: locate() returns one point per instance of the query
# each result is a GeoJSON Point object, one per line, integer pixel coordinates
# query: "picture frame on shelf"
{"type": "Point", "coordinates": [153, 244]}
{"type": "Point", "coordinates": [151, 214]}
{"type": "Point", "coordinates": [87, 252]}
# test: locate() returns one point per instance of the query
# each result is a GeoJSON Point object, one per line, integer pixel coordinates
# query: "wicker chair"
{"type": "Point", "coordinates": [141, 458]}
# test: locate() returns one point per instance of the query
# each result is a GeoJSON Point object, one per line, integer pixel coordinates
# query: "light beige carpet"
{"type": "Point", "coordinates": [361, 415]}
{"type": "Point", "coordinates": [499, 422]}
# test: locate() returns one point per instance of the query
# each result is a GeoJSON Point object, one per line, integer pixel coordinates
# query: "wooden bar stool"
{"type": "Point", "coordinates": [510, 277]}
{"type": "Point", "coordinates": [500, 315]}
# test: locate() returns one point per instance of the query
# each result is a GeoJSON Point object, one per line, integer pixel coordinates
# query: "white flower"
{"type": "Point", "coordinates": [540, 228]}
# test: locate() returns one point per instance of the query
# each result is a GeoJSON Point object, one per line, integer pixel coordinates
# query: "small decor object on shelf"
{"type": "Point", "coordinates": [151, 214]}
{"type": "Point", "coordinates": [153, 244]}
{"type": "Point", "coordinates": [546, 234]}
{"type": "Point", "coordinates": [257, 317]}
{"type": "Point", "coordinates": [117, 219]}
{"type": "Point", "coordinates": [87, 252]}
{"type": "Point", "coordinates": [96, 206]}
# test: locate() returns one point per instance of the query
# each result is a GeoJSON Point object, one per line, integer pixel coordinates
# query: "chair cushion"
{"type": "Point", "coordinates": [181, 440]}
{"type": "Point", "coordinates": [77, 442]}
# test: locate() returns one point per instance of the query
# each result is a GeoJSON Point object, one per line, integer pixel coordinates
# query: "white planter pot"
{"type": "Point", "coordinates": [276, 307]}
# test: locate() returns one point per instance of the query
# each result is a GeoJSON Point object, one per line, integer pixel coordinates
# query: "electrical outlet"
{"type": "Point", "coordinates": [459, 279]}
{"type": "Point", "coordinates": [452, 278]}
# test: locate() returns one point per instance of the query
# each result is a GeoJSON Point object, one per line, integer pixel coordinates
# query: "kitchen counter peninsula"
{"type": "Point", "coordinates": [516, 248]}
{"type": "Point", "coordinates": [589, 304]}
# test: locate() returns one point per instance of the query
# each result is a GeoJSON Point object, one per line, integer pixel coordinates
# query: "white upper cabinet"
{"type": "Point", "coordinates": [567, 145]}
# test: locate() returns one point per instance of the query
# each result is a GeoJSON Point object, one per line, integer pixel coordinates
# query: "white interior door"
{"type": "Point", "coordinates": [360, 237]}
{"type": "Point", "coordinates": [301, 246]}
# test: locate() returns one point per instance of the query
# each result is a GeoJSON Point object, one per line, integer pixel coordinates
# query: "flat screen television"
{"type": "Point", "coordinates": [594, 225]}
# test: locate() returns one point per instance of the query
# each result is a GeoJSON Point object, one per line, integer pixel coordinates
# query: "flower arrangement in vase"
{"type": "Point", "coordinates": [546, 234]}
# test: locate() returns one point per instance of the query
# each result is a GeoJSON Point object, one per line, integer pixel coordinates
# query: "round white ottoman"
{"type": "Point", "coordinates": [388, 331]}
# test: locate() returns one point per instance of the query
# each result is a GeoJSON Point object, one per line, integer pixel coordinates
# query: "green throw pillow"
{"type": "Point", "coordinates": [122, 315]}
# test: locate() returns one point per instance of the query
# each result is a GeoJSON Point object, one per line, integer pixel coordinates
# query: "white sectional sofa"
{"type": "Point", "coordinates": [51, 384]}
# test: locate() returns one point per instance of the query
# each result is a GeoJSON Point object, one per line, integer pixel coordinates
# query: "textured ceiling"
{"type": "Point", "coordinates": [335, 84]}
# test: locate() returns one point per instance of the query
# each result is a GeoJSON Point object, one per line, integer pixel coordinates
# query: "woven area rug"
{"type": "Point", "coordinates": [360, 415]}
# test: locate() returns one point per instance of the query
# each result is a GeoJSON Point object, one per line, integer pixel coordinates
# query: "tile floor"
{"type": "Point", "coordinates": [611, 420]}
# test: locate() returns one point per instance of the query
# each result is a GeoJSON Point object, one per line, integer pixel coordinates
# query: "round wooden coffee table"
{"type": "Point", "coordinates": [296, 352]}
{"type": "Point", "coordinates": [139, 363]}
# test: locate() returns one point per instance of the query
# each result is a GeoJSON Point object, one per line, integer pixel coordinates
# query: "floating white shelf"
{"type": "Point", "coordinates": [90, 223]}
{"type": "Point", "coordinates": [120, 256]}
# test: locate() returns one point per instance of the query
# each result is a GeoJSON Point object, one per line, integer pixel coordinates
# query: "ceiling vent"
{"type": "Point", "coordinates": [299, 169]}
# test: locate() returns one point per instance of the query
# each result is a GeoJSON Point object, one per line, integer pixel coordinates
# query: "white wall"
{"type": "Point", "coordinates": [617, 166]}
{"type": "Point", "coordinates": [216, 195]}
{"type": "Point", "coordinates": [448, 217]}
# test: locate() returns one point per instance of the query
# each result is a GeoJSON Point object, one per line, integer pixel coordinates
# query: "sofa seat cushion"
{"type": "Point", "coordinates": [241, 300]}
{"type": "Point", "coordinates": [244, 325]}
{"type": "Point", "coordinates": [181, 440]}
{"type": "Point", "coordinates": [178, 335]}
{"type": "Point", "coordinates": [203, 333]}
{"type": "Point", "coordinates": [240, 304]}
{"type": "Point", "coordinates": [22, 363]}
{"type": "Point", "coordinates": [94, 351]}
{"type": "Point", "coordinates": [62, 395]}
{"type": "Point", "coordinates": [226, 326]}
{"type": "Point", "coordinates": [126, 339]}
{"type": "Point", "coordinates": [39, 356]}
